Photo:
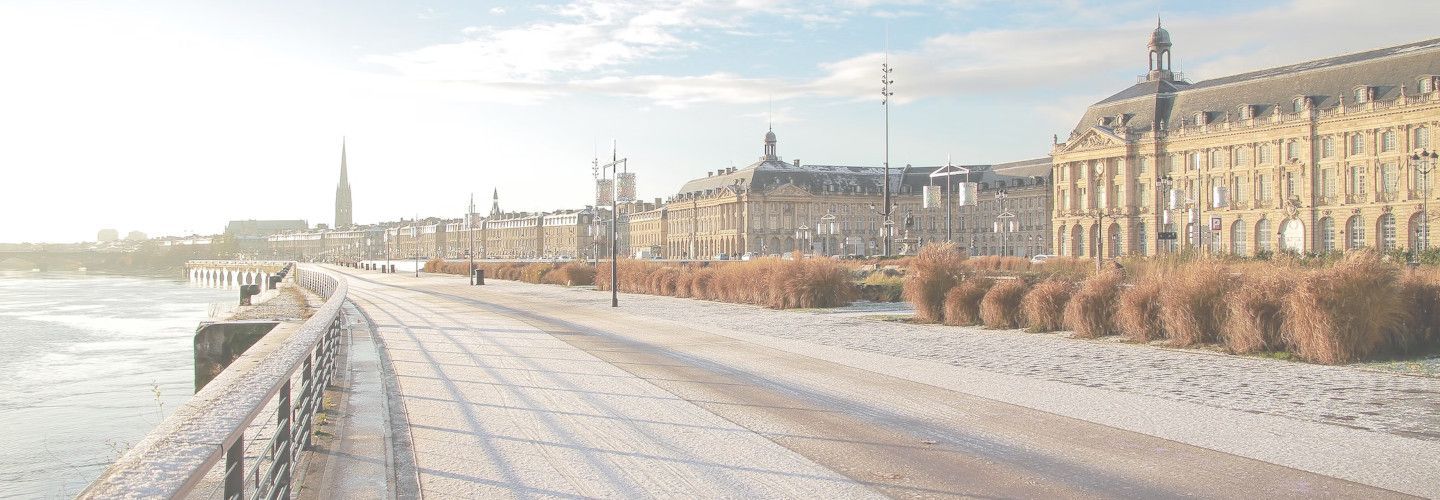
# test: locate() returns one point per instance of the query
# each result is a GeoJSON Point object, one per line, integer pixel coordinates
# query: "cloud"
{"type": "Point", "coordinates": [497, 11]}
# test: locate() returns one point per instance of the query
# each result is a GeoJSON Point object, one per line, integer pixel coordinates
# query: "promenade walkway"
{"type": "Point", "coordinates": [526, 390]}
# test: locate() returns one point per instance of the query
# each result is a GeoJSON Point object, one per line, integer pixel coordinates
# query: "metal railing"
{"type": "Point", "coordinates": [182, 453]}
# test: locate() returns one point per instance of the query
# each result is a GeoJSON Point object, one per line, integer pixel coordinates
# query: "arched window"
{"type": "Point", "coordinates": [1237, 238]}
{"type": "Point", "coordinates": [1263, 236]}
{"type": "Point", "coordinates": [1327, 235]}
{"type": "Point", "coordinates": [1061, 240]}
{"type": "Point", "coordinates": [1355, 233]}
{"type": "Point", "coordinates": [1387, 232]}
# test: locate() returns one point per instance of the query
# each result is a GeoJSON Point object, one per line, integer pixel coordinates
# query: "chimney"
{"type": "Point", "coordinates": [720, 172]}
{"type": "Point", "coordinates": [797, 162]}
{"type": "Point", "coordinates": [709, 173]}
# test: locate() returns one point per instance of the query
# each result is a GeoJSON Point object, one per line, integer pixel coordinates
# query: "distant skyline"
{"type": "Point", "coordinates": [173, 117]}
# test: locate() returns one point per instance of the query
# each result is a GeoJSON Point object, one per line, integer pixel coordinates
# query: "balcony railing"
{"type": "Point", "coordinates": [181, 454]}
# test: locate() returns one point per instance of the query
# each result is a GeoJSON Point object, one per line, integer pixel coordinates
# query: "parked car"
{"type": "Point", "coordinates": [748, 255]}
{"type": "Point", "coordinates": [722, 256]}
{"type": "Point", "coordinates": [1040, 259]}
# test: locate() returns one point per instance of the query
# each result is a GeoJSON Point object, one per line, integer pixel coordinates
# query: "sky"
{"type": "Point", "coordinates": [173, 117]}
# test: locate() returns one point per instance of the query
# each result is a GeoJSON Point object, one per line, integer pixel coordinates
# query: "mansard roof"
{"type": "Point", "coordinates": [765, 175]}
{"type": "Point", "coordinates": [1325, 82]}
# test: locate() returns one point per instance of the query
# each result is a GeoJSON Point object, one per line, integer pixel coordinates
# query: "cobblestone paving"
{"type": "Point", "coordinates": [1398, 404]}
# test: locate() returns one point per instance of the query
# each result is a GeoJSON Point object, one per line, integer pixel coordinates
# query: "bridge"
{"type": "Point", "coordinates": [519, 390]}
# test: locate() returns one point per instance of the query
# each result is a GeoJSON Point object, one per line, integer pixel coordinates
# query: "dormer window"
{"type": "Point", "coordinates": [1362, 94]}
{"type": "Point", "coordinates": [1247, 112]}
{"type": "Point", "coordinates": [1298, 105]}
{"type": "Point", "coordinates": [1200, 118]}
{"type": "Point", "coordinates": [1427, 83]}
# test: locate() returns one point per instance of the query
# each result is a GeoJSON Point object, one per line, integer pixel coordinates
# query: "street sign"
{"type": "Point", "coordinates": [1167, 235]}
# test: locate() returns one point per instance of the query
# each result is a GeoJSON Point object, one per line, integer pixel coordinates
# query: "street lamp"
{"type": "Point", "coordinates": [1164, 183]}
{"type": "Point", "coordinates": [802, 233]}
{"type": "Point", "coordinates": [1100, 214]}
{"type": "Point", "coordinates": [826, 228]}
{"type": "Point", "coordinates": [1001, 221]}
{"type": "Point", "coordinates": [599, 171]}
{"type": "Point", "coordinates": [1424, 164]}
{"type": "Point", "coordinates": [885, 94]}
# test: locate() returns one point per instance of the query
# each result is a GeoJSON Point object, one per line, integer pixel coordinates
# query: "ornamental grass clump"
{"type": "Point", "coordinates": [1192, 303]}
{"type": "Point", "coordinates": [571, 274]}
{"type": "Point", "coordinates": [1137, 310]}
{"type": "Point", "coordinates": [1345, 313]}
{"type": "Point", "coordinates": [1255, 310]}
{"type": "Point", "coordinates": [1042, 310]}
{"type": "Point", "coordinates": [1000, 309]}
{"type": "Point", "coordinates": [1091, 311]}
{"type": "Point", "coordinates": [1420, 289]}
{"type": "Point", "coordinates": [933, 272]}
{"type": "Point", "coordinates": [806, 283]}
{"type": "Point", "coordinates": [962, 303]}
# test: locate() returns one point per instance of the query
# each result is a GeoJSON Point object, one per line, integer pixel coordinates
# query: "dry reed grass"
{"type": "Point", "coordinates": [1091, 311]}
{"type": "Point", "coordinates": [769, 282]}
{"type": "Point", "coordinates": [1345, 313]}
{"type": "Point", "coordinates": [962, 303]}
{"type": "Point", "coordinates": [1137, 313]}
{"type": "Point", "coordinates": [1000, 309]}
{"type": "Point", "coordinates": [1192, 303]}
{"type": "Point", "coordinates": [932, 273]}
{"type": "Point", "coordinates": [1042, 310]}
{"type": "Point", "coordinates": [1254, 310]}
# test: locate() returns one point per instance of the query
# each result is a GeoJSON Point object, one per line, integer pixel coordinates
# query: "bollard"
{"type": "Point", "coordinates": [392, 268]}
{"type": "Point", "coordinates": [275, 280]}
{"type": "Point", "coordinates": [247, 291]}
{"type": "Point", "coordinates": [479, 276]}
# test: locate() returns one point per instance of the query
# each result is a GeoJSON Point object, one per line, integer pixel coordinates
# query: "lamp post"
{"type": "Point", "coordinates": [802, 233]}
{"type": "Point", "coordinates": [1164, 183]}
{"type": "Point", "coordinates": [1424, 164]}
{"type": "Point", "coordinates": [599, 171]}
{"type": "Point", "coordinates": [826, 228]}
{"type": "Point", "coordinates": [885, 94]}
{"type": "Point", "coordinates": [1002, 221]}
{"type": "Point", "coordinates": [470, 228]}
{"type": "Point", "coordinates": [1100, 214]}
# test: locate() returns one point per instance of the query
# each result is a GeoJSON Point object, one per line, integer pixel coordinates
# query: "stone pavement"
{"type": "Point", "coordinates": [1403, 405]}
{"type": "Point", "coordinates": [499, 380]}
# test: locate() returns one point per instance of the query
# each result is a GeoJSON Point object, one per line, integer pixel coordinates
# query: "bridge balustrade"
{"type": "Point", "coordinates": [202, 449]}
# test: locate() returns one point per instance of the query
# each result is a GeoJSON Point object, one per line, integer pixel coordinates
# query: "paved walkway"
{"type": "Point", "coordinates": [525, 390]}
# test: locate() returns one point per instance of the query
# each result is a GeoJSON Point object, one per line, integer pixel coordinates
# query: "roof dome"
{"type": "Point", "coordinates": [770, 136]}
{"type": "Point", "coordinates": [1160, 37]}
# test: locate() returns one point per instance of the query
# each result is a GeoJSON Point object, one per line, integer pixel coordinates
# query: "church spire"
{"type": "Point", "coordinates": [495, 202]}
{"type": "Point", "coordinates": [343, 214]}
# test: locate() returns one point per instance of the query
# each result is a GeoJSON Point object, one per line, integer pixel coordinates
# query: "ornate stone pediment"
{"type": "Point", "coordinates": [788, 189]}
{"type": "Point", "coordinates": [1095, 138]}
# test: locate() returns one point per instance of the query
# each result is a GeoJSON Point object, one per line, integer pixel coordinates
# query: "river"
{"type": "Point", "coordinates": [88, 365]}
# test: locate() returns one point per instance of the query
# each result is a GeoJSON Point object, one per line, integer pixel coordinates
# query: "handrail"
{"type": "Point", "coordinates": [178, 454]}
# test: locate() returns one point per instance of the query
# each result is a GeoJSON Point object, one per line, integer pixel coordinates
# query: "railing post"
{"type": "Point", "coordinates": [235, 469]}
{"type": "Point", "coordinates": [310, 393]}
{"type": "Point", "coordinates": [284, 445]}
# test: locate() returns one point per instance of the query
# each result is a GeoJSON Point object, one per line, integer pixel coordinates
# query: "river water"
{"type": "Point", "coordinates": [88, 365]}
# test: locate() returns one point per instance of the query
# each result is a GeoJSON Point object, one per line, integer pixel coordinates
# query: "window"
{"type": "Point", "coordinates": [1195, 160]}
{"type": "Point", "coordinates": [1388, 180]}
{"type": "Point", "coordinates": [1327, 235]}
{"type": "Point", "coordinates": [1327, 182]}
{"type": "Point", "coordinates": [1140, 165]}
{"type": "Point", "coordinates": [1240, 188]}
{"type": "Point", "coordinates": [1357, 180]}
{"type": "Point", "coordinates": [1237, 238]}
{"type": "Point", "coordinates": [1422, 137]}
{"type": "Point", "coordinates": [1327, 147]}
{"type": "Point", "coordinates": [1355, 229]}
{"type": "Point", "coordinates": [1266, 155]}
{"type": "Point", "coordinates": [1362, 95]}
{"type": "Point", "coordinates": [1417, 180]}
{"type": "Point", "coordinates": [1217, 158]}
{"type": "Point", "coordinates": [1292, 150]}
{"type": "Point", "coordinates": [1142, 246]}
{"type": "Point", "coordinates": [1387, 232]}
{"type": "Point", "coordinates": [1290, 188]}
{"type": "Point", "coordinates": [1263, 236]}
{"type": "Point", "coordinates": [1246, 112]}
{"type": "Point", "coordinates": [1298, 105]}
{"type": "Point", "coordinates": [1427, 84]}
{"type": "Point", "coordinates": [1357, 143]}
{"type": "Point", "coordinates": [1387, 141]}
{"type": "Point", "coordinates": [1242, 156]}
{"type": "Point", "coordinates": [1262, 186]}
{"type": "Point", "coordinates": [1144, 193]}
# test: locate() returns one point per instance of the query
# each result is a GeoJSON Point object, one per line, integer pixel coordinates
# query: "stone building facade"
{"type": "Point", "coordinates": [776, 207]}
{"type": "Point", "coordinates": [1312, 157]}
